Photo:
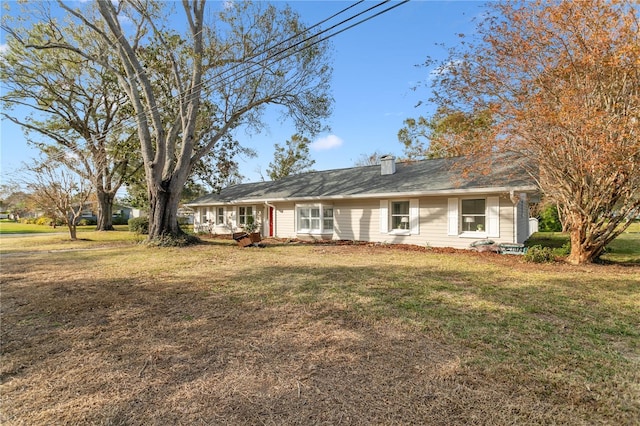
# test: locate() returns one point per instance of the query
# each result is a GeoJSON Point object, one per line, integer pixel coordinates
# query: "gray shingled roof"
{"type": "Point", "coordinates": [428, 177]}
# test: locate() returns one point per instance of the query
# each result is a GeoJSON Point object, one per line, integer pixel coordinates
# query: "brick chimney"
{"type": "Point", "coordinates": [387, 165]}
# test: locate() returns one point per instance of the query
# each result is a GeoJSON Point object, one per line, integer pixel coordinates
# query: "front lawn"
{"type": "Point", "coordinates": [314, 334]}
{"type": "Point", "coordinates": [625, 249]}
{"type": "Point", "coordinates": [11, 227]}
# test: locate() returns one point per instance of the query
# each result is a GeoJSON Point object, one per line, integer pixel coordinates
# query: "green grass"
{"type": "Point", "coordinates": [11, 227]}
{"type": "Point", "coordinates": [49, 241]}
{"type": "Point", "coordinates": [634, 227]}
{"type": "Point", "coordinates": [548, 239]}
{"type": "Point", "coordinates": [624, 249]}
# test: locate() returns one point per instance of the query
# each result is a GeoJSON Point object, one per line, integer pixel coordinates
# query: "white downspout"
{"type": "Point", "coordinates": [515, 224]}
{"type": "Point", "coordinates": [515, 199]}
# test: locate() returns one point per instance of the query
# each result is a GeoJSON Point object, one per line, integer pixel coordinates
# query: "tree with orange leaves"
{"type": "Point", "coordinates": [562, 83]}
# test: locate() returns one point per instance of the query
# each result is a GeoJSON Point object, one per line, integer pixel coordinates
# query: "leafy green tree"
{"type": "Point", "coordinates": [291, 159]}
{"type": "Point", "coordinates": [549, 219]}
{"type": "Point", "coordinates": [13, 199]}
{"type": "Point", "coordinates": [249, 56]}
{"type": "Point", "coordinates": [448, 133]}
{"type": "Point", "coordinates": [77, 114]}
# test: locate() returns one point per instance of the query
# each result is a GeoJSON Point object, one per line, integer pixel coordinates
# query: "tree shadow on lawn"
{"type": "Point", "coordinates": [283, 345]}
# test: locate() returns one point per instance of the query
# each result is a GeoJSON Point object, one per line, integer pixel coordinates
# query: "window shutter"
{"type": "Point", "coordinates": [232, 218]}
{"type": "Point", "coordinates": [493, 217]}
{"type": "Point", "coordinates": [452, 215]}
{"type": "Point", "coordinates": [414, 216]}
{"type": "Point", "coordinates": [384, 216]}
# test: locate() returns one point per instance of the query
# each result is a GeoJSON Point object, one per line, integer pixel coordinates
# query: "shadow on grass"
{"type": "Point", "coordinates": [314, 344]}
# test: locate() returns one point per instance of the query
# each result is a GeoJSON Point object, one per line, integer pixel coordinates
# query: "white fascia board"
{"type": "Point", "coordinates": [412, 194]}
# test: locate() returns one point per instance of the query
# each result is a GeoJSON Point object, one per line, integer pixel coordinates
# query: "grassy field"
{"type": "Point", "coordinates": [625, 249]}
{"type": "Point", "coordinates": [11, 227]}
{"type": "Point", "coordinates": [311, 334]}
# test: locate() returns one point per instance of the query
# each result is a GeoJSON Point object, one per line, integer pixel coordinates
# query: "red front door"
{"type": "Point", "coordinates": [271, 221]}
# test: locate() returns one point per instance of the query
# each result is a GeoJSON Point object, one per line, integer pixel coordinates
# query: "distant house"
{"type": "Point", "coordinates": [421, 202]}
{"type": "Point", "coordinates": [121, 214]}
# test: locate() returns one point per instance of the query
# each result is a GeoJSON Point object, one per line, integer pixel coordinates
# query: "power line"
{"type": "Point", "coordinates": [247, 69]}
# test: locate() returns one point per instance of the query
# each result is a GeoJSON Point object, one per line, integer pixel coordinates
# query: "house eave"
{"type": "Point", "coordinates": [385, 195]}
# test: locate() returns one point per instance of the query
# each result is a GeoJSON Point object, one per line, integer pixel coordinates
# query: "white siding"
{"type": "Point", "coordinates": [356, 220]}
{"type": "Point", "coordinates": [500, 222]}
{"type": "Point", "coordinates": [361, 220]}
{"type": "Point", "coordinates": [285, 219]}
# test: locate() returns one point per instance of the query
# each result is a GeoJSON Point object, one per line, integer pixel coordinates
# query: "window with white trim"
{"type": "Point", "coordinates": [245, 215]}
{"type": "Point", "coordinates": [474, 215]}
{"type": "Point", "coordinates": [314, 219]}
{"type": "Point", "coordinates": [327, 218]}
{"type": "Point", "coordinates": [400, 215]}
{"type": "Point", "coordinates": [220, 216]}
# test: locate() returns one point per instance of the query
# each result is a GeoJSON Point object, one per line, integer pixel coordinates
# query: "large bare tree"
{"type": "Point", "coordinates": [561, 81]}
{"type": "Point", "coordinates": [250, 56]}
{"type": "Point", "coordinates": [54, 188]}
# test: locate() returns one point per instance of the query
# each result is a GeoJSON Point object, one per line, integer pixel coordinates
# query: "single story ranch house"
{"type": "Point", "coordinates": [420, 202]}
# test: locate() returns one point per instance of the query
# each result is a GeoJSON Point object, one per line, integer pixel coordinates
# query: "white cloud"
{"type": "Point", "coordinates": [4, 48]}
{"type": "Point", "coordinates": [327, 142]}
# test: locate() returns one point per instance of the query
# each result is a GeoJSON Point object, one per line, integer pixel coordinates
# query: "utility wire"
{"type": "Point", "coordinates": [273, 57]}
{"type": "Point", "coordinates": [248, 68]}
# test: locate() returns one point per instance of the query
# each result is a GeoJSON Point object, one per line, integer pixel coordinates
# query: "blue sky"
{"type": "Point", "coordinates": [374, 72]}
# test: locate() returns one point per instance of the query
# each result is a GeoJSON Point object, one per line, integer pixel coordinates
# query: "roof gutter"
{"type": "Point", "coordinates": [411, 194]}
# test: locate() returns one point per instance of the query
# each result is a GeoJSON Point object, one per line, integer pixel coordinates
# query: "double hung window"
{"type": "Point", "coordinates": [245, 215]}
{"type": "Point", "coordinates": [400, 215]}
{"type": "Point", "coordinates": [327, 218]}
{"type": "Point", "coordinates": [474, 215]}
{"type": "Point", "coordinates": [314, 219]}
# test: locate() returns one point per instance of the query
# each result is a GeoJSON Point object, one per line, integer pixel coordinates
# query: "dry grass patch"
{"type": "Point", "coordinates": [215, 334]}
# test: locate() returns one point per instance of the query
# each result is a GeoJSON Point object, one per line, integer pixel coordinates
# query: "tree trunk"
{"type": "Point", "coordinates": [163, 212]}
{"type": "Point", "coordinates": [105, 211]}
{"type": "Point", "coordinates": [583, 250]}
{"type": "Point", "coordinates": [72, 230]}
{"type": "Point", "coordinates": [562, 217]}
